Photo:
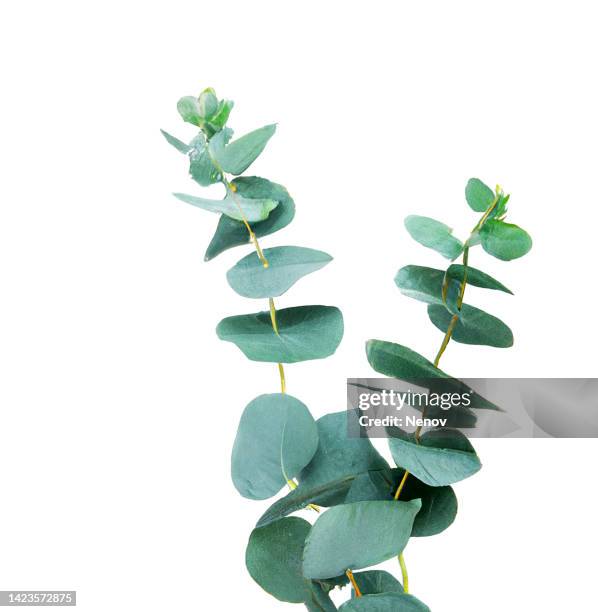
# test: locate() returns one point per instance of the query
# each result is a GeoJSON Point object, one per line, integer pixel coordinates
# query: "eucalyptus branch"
{"type": "Point", "coordinates": [444, 292]}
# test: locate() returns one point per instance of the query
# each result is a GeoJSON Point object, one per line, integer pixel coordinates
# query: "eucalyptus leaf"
{"type": "Point", "coordinates": [385, 602]}
{"type": "Point", "coordinates": [286, 265]}
{"type": "Point", "coordinates": [474, 326]}
{"type": "Point", "coordinates": [233, 206]}
{"type": "Point", "coordinates": [400, 362]}
{"type": "Point", "coordinates": [434, 235]}
{"type": "Point", "coordinates": [349, 536]}
{"type": "Point", "coordinates": [274, 557]}
{"type": "Point", "coordinates": [339, 455]}
{"type": "Point", "coordinates": [373, 582]}
{"type": "Point", "coordinates": [304, 332]}
{"type": "Point", "coordinates": [439, 504]}
{"type": "Point", "coordinates": [478, 195]}
{"type": "Point", "coordinates": [304, 495]}
{"type": "Point", "coordinates": [179, 145]}
{"type": "Point", "coordinates": [208, 103]}
{"type": "Point", "coordinates": [277, 437]}
{"type": "Point", "coordinates": [440, 458]}
{"type": "Point", "coordinates": [476, 277]}
{"type": "Point", "coordinates": [231, 233]}
{"type": "Point", "coordinates": [241, 153]}
{"type": "Point", "coordinates": [504, 240]}
{"type": "Point", "coordinates": [425, 284]}
{"type": "Point", "coordinates": [188, 108]}
{"type": "Point", "coordinates": [201, 165]}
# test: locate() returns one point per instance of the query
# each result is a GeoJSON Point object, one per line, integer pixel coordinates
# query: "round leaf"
{"type": "Point", "coordinates": [188, 108]}
{"type": "Point", "coordinates": [354, 536]}
{"type": "Point", "coordinates": [286, 265]}
{"type": "Point", "coordinates": [474, 326]}
{"type": "Point", "coordinates": [504, 240]}
{"type": "Point", "coordinates": [478, 195]}
{"type": "Point", "coordinates": [273, 558]}
{"type": "Point", "coordinates": [304, 332]}
{"type": "Point", "coordinates": [434, 235]}
{"type": "Point", "coordinates": [442, 456]}
{"type": "Point", "coordinates": [276, 438]}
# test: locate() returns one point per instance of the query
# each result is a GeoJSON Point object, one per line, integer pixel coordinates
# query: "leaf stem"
{"type": "Point", "coordinates": [404, 573]}
{"type": "Point", "coordinates": [353, 583]}
{"type": "Point", "coordinates": [401, 485]}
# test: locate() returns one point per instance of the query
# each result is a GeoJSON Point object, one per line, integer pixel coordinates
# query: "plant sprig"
{"type": "Point", "coordinates": [373, 508]}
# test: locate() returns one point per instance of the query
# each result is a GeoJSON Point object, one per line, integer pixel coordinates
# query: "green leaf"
{"type": "Point", "coordinates": [349, 536]}
{"type": "Point", "coordinates": [476, 277]}
{"type": "Point", "coordinates": [439, 504]}
{"type": "Point", "coordinates": [201, 166]}
{"type": "Point", "coordinates": [231, 233]}
{"type": "Point", "coordinates": [400, 362]}
{"type": "Point", "coordinates": [254, 210]}
{"type": "Point", "coordinates": [425, 284]}
{"type": "Point", "coordinates": [442, 456]}
{"type": "Point", "coordinates": [188, 108]}
{"type": "Point", "coordinates": [277, 437]}
{"type": "Point", "coordinates": [434, 235]}
{"type": "Point", "coordinates": [286, 265]}
{"type": "Point", "coordinates": [504, 240]}
{"type": "Point", "coordinates": [373, 582]}
{"type": "Point", "coordinates": [304, 495]}
{"type": "Point", "coordinates": [179, 145]}
{"type": "Point", "coordinates": [218, 121]}
{"type": "Point", "coordinates": [385, 602]}
{"type": "Point", "coordinates": [339, 455]}
{"type": "Point", "coordinates": [273, 559]}
{"type": "Point", "coordinates": [304, 332]}
{"type": "Point", "coordinates": [208, 103]}
{"type": "Point", "coordinates": [474, 326]}
{"type": "Point", "coordinates": [241, 153]}
{"type": "Point", "coordinates": [478, 195]}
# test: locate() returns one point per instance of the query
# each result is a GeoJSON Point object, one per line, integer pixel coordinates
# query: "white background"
{"type": "Point", "coordinates": [118, 403]}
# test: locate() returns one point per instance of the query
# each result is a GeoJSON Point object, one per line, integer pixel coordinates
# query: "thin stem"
{"type": "Point", "coordinates": [353, 583]}
{"type": "Point", "coordinates": [404, 573]}
{"type": "Point", "coordinates": [401, 485]}
{"type": "Point", "coordinates": [233, 191]}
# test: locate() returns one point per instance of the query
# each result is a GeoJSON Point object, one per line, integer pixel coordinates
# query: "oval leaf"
{"type": "Point", "coordinates": [339, 455]}
{"type": "Point", "coordinates": [385, 602]}
{"type": "Point", "coordinates": [276, 439]}
{"type": "Point", "coordinates": [201, 166]}
{"type": "Point", "coordinates": [286, 265]}
{"type": "Point", "coordinates": [434, 235]}
{"type": "Point", "coordinates": [349, 536]}
{"type": "Point", "coordinates": [241, 153]}
{"type": "Point", "coordinates": [474, 326]}
{"type": "Point", "coordinates": [304, 332]}
{"type": "Point", "coordinates": [274, 556]}
{"type": "Point", "coordinates": [478, 195]}
{"type": "Point", "coordinates": [231, 233]}
{"type": "Point", "coordinates": [442, 457]}
{"type": "Point", "coordinates": [476, 277]}
{"type": "Point", "coordinates": [504, 240]}
{"type": "Point", "coordinates": [425, 284]}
